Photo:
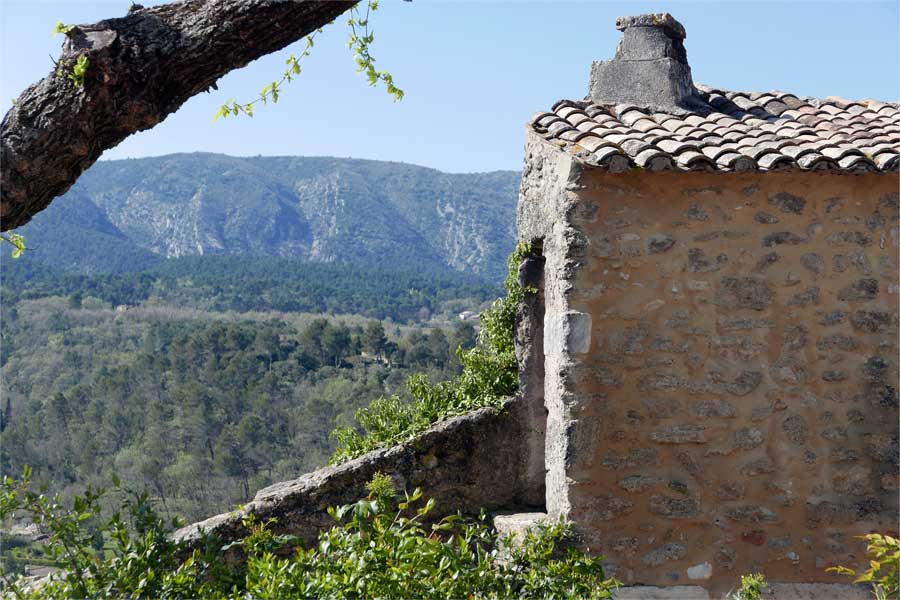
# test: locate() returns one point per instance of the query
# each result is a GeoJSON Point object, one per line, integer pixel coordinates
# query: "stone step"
{"type": "Point", "coordinates": [517, 524]}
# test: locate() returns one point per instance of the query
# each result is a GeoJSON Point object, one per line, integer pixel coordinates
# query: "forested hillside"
{"type": "Point", "coordinates": [246, 283]}
{"type": "Point", "coordinates": [127, 215]}
{"type": "Point", "coordinates": [202, 408]}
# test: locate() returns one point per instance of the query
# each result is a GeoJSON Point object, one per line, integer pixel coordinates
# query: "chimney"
{"type": "Point", "coordinates": [650, 68]}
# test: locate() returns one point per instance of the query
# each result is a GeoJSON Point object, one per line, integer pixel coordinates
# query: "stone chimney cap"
{"type": "Point", "coordinates": [650, 67]}
{"type": "Point", "coordinates": [664, 21]}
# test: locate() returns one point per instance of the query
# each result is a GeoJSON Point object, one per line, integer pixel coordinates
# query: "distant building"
{"type": "Point", "coordinates": [468, 315]}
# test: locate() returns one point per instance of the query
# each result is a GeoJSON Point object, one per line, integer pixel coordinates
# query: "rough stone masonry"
{"type": "Point", "coordinates": [720, 333]}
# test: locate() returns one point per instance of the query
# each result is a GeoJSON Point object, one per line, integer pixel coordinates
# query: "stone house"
{"type": "Point", "coordinates": [715, 332]}
{"type": "Point", "coordinates": [708, 361]}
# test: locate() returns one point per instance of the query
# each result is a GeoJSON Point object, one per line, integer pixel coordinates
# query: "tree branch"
{"type": "Point", "coordinates": [142, 68]}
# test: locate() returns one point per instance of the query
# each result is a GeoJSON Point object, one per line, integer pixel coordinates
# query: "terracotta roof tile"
{"type": "Point", "coordinates": [736, 162]}
{"type": "Point", "coordinates": [887, 161]}
{"type": "Point", "coordinates": [838, 152]}
{"type": "Point", "coordinates": [644, 125]}
{"type": "Point", "coordinates": [612, 159]}
{"type": "Point", "coordinates": [653, 159]}
{"type": "Point", "coordinates": [774, 161]}
{"type": "Point", "coordinates": [736, 131]}
{"type": "Point", "coordinates": [714, 152]}
{"type": "Point", "coordinates": [694, 161]}
{"type": "Point", "coordinates": [857, 163]}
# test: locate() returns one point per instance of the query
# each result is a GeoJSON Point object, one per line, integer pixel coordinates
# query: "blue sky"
{"type": "Point", "coordinates": [474, 72]}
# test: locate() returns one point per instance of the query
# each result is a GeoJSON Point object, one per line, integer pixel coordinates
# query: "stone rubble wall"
{"type": "Point", "coordinates": [465, 463]}
{"type": "Point", "coordinates": [721, 366]}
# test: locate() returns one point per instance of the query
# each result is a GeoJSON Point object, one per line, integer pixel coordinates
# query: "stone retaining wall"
{"type": "Point", "coordinates": [465, 463]}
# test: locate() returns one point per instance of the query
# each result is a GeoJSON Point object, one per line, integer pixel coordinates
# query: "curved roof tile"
{"type": "Point", "coordinates": [736, 131]}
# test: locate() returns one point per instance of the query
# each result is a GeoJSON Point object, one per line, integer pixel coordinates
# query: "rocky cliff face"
{"type": "Point", "coordinates": [317, 209]}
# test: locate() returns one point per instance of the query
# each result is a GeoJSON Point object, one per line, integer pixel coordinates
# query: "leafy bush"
{"type": "Point", "coordinates": [489, 376]}
{"type": "Point", "coordinates": [379, 548]}
{"type": "Point", "coordinates": [752, 587]}
{"type": "Point", "coordinates": [115, 556]}
{"type": "Point", "coordinates": [884, 566]}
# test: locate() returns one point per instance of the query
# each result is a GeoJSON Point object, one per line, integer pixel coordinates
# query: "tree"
{"type": "Point", "coordinates": [463, 336]}
{"type": "Point", "coordinates": [373, 338]}
{"type": "Point", "coordinates": [267, 345]}
{"type": "Point", "coordinates": [124, 75]}
{"type": "Point", "coordinates": [417, 352]}
{"type": "Point", "coordinates": [438, 347]}
{"type": "Point", "coordinates": [311, 340]}
{"type": "Point", "coordinates": [232, 459]}
{"type": "Point", "coordinates": [336, 343]}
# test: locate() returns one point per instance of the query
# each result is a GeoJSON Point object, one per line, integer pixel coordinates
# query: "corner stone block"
{"type": "Point", "coordinates": [568, 331]}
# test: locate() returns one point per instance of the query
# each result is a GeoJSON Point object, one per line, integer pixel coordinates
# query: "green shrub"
{"type": "Point", "coordinates": [382, 549]}
{"type": "Point", "coordinates": [379, 547]}
{"type": "Point", "coordinates": [130, 555]}
{"type": "Point", "coordinates": [489, 375]}
{"type": "Point", "coordinates": [752, 587]}
{"type": "Point", "coordinates": [884, 566]}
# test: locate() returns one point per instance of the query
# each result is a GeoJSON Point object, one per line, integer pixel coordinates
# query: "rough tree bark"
{"type": "Point", "coordinates": [142, 68]}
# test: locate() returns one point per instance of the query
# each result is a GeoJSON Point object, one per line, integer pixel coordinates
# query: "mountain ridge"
{"type": "Point", "coordinates": [128, 212]}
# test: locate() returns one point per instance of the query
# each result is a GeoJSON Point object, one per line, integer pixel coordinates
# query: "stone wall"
{"type": "Point", "coordinates": [721, 366]}
{"type": "Point", "coordinates": [465, 463]}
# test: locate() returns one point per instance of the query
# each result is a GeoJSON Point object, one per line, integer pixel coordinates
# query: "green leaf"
{"type": "Point", "coordinates": [18, 242]}
{"type": "Point", "coordinates": [62, 28]}
{"type": "Point", "coordinates": [79, 70]}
